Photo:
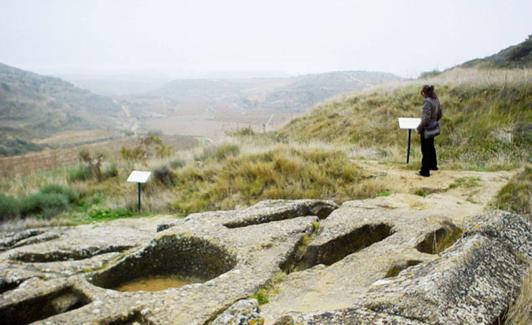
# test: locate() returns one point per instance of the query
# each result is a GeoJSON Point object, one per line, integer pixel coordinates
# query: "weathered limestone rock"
{"type": "Point", "coordinates": [471, 283]}
{"type": "Point", "coordinates": [243, 312]}
{"type": "Point", "coordinates": [353, 316]}
{"type": "Point", "coordinates": [233, 262]}
{"type": "Point", "coordinates": [365, 262]}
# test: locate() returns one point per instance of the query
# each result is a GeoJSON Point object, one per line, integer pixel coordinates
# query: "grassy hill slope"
{"type": "Point", "coordinates": [484, 124]}
{"type": "Point", "coordinates": [517, 56]}
{"type": "Point", "coordinates": [33, 105]}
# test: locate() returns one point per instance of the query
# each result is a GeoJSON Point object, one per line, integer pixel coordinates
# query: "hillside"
{"type": "Point", "coordinates": [35, 106]}
{"type": "Point", "coordinates": [517, 56]}
{"type": "Point", "coordinates": [484, 124]}
{"type": "Point", "coordinates": [284, 94]}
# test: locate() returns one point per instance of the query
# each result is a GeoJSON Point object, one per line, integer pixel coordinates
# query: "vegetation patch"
{"type": "Point", "coordinates": [520, 312]}
{"type": "Point", "coordinates": [270, 289]}
{"type": "Point", "coordinates": [516, 196]}
{"type": "Point", "coordinates": [109, 214]}
{"type": "Point", "coordinates": [424, 191]}
{"type": "Point", "coordinates": [440, 239]}
{"type": "Point", "coordinates": [397, 268]}
{"type": "Point", "coordinates": [484, 126]}
{"type": "Point", "coordinates": [465, 182]}
{"type": "Point", "coordinates": [280, 173]}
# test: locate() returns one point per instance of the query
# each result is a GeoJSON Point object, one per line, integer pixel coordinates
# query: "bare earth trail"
{"type": "Point", "coordinates": [457, 200]}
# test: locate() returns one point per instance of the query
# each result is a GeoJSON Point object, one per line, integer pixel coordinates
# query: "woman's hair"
{"type": "Point", "coordinates": [429, 91]}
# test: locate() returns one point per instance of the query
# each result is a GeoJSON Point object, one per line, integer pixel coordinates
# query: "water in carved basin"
{"type": "Point", "coordinates": [157, 283]}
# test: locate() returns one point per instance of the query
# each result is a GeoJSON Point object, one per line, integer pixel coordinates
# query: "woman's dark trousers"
{"type": "Point", "coordinates": [428, 161]}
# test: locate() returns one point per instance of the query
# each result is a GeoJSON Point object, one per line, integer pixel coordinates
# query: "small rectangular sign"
{"type": "Point", "coordinates": [138, 176]}
{"type": "Point", "coordinates": [409, 122]}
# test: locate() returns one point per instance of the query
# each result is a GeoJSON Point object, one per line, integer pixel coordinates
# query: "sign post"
{"type": "Point", "coordinates": [408, 123]}
{"type": "Point", "coordinates": [139, 177]}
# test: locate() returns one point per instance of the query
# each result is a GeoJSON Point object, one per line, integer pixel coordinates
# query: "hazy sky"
{"type": "Point", "coordinates": [187, 38]}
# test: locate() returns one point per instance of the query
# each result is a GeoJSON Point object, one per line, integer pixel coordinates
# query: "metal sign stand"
{"type": "Point", "coordinates": [139, 177]}
{"type": "Point", "coordinates": [409, 124]}
{"type": "Point", "coordinates": [138, 196]}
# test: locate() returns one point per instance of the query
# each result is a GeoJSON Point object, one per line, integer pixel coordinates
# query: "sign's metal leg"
{"type": "Point", "coordinates": [408, 146]}
{"type": "Point", "coordinates": [138, 196]}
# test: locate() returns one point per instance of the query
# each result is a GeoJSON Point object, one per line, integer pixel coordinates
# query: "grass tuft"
{"type": "Point", "coordinates": [516, 196]}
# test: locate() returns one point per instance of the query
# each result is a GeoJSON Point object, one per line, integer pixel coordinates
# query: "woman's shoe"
{"type": "Point", "coordinates": [423, 174]}
{"type": "Point", "coordinates": [435, 168]}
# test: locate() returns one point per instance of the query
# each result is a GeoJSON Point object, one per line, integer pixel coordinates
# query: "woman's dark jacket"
{"type": "Point", "coordinates": [432, 111]}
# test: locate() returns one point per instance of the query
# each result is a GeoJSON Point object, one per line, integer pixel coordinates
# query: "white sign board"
{"type": "Point", "coordinates": [409, 122]}
{"type": "Point", "coordinates": [138, 176]}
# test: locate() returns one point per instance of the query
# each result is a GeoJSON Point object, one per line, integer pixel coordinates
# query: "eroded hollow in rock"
{"type": "Point", "coordinates": [8, 285]}
{"type": "Point", "coordinates": [321, 210]}
{"type": "Point", "coordinates": [173, 260]}
{"type": "Point", "coordinates": [338, 248]}
{"type": "Point", "coordinates": [397, 268]}
{"type": "Point", "coordinates": [41, 307]}
{"type": "Point", "coordinates": [440, 239]}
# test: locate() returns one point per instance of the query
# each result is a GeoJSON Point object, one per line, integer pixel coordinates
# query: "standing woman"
{"type": "Point", "coordinates": [428, 129]}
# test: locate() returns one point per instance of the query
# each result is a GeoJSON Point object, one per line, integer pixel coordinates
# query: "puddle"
{"type": "Point", "coordinates": [156, 283]}
{"type": "Point", "coordinates": [169, 261]}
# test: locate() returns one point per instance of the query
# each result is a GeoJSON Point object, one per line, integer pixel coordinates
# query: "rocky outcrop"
{"type": "Point", "coordinates": [360, 263]}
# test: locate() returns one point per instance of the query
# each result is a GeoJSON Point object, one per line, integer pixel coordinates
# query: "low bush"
{"type": "Point", "coordinates": [48, 201]}
{"type": "Point", "coordinates": [71, 195]}
{"type": "Point", "coordinates": [9, 207]}
{"type": "Point", "coordinates": [44, 204]}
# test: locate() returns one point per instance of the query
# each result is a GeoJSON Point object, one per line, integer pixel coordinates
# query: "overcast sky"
{"type": "Point", "coordinates": [188, 38]}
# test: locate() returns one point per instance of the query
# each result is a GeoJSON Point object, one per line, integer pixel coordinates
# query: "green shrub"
{"type": "Point", "coordinates": [9, 207]}
{"type": "Point", "coordinates": [45, 204]}
{"type": "Point", "coordinates": [71, 195]}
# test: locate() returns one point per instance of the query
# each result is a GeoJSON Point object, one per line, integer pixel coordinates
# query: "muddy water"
{"type": "Point", "coordinates": [157, 283]}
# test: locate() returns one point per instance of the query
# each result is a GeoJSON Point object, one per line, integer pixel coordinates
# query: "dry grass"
{"type": "Point", "coordinates": [281, 172]}
{"type": "Point", "coordinates": [484, 126]}
{"type": "Point", "coordinates": [520, 313]}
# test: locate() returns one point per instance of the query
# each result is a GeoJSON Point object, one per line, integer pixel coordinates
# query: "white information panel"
{"type": "Point", "coordinates": [138, 176]}
{"type": "Point", "coordinates": [409, 122]}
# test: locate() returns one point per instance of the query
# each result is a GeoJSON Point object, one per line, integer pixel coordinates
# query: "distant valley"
{"type": "Point", "coordinates": [38, 111]}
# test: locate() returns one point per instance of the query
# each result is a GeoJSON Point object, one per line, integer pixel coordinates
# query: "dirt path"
{"type": "Point", "coordinates": [459, 193]}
